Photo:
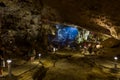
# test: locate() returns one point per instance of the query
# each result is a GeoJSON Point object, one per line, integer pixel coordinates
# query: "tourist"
{"type": "Point", "coordinates": [90, 48]}
{"type": "Point", "coordinates": [32, 54]}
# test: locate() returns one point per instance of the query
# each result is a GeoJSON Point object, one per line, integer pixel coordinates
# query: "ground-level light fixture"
{"type": "Point", "coordinates": [54, 49]}
{"type": "Point", "coordinates": [39, 58]}
{"type": "Point", "coordinates": [9, 61]}
{"type": "Point", "coordinates": [115, 58]}
{"type": "Point", "coordinates": [115, 62]}
{"type": "Point", "coordinates": [39, 55]}
{"type": "Point", "coordinates": [9, 67]}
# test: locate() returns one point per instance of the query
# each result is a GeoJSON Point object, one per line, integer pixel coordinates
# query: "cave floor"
{"type": "Point", "coordinates": [67, 66]}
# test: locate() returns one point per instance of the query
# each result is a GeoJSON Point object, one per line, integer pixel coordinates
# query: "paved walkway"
{"type": "Point", "coordinates": [108, 64]}
{"type": "Point", "coordinates": [21, 69]}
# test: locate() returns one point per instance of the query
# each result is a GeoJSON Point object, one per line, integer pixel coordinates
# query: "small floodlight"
{"type": "Point", "coordinates": [39, 55]}
{"type": "Point", "coordinates": [116, 58]}
{"type": "Point", "coordinates": [54, 49]}
{"type": "Point", "coordinates": [9, 61]}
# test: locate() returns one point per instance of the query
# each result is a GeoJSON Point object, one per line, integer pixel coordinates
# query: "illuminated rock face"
{"type": "Point", "coordinates": [26, 17]}
{"type": "Point", "coordinates": [115, 32]}
{"type": "Point", "coordinates": [21, 26]}
{"type": "Point", "coordinates": [94, 15]}
{"type": "Point", "coordinates": [65, 35]}
{"type": "Point", "coordinates": [99, 16]}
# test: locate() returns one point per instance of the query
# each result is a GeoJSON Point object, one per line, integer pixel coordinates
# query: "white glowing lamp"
{"type": "Point", "coordinates": [98, 46]}
{"type": "Point", "coordinates": [39, 55]}
{"type": "Point", "coordinates": [116, 58]}
{"type": "Point", "coordinates": [9, 61]}
{"type": "Point", "coordinates": [54, 49]}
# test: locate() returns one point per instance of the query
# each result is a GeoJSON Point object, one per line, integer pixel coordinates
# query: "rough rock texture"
{"type": "Point", "coordinates": [21, 27]}
{"type": "Point", "coordinates": [94, 15]}
{"type": "Point", "coordinates": [25, 24]}
{"type": "Point", "coordinates": [110, 47]}
{"type": "Point", "coordinates": [102, 16]}
{"type": "Point", "coordinates": [28, 22]}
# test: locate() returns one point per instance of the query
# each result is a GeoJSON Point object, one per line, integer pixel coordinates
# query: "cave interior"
{"type": "Point", "coordinates": [60, 40]}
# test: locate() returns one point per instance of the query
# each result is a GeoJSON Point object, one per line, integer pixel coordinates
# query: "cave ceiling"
{"type": "Point", "coordinates": [96, 15]}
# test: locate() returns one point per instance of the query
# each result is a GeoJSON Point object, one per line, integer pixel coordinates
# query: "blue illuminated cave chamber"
{"type": "Point", "coordinates": [65, 35]}
{"type": "Point", "coordinates": [70, 36]}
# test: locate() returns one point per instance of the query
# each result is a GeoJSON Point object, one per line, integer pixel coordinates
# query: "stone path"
{"type": "Point", "coordinates": [23, 72]}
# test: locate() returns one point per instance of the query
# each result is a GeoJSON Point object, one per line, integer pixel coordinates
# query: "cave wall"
{"type": "Point", "coordinates": [21, 27]}
{"type": "Point", "coordinates": [102, 15]}
{"type": "Point", "coordinates": [93, 15]}
{"type": "Point", "coordinates": [28, 22]}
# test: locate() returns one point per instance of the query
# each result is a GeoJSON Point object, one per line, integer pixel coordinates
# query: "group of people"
{"type": "Point", "coordinates": [88, 48]}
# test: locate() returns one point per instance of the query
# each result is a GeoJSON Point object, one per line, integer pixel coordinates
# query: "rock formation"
{"type": "Point", "coordinates": [28, 22]}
